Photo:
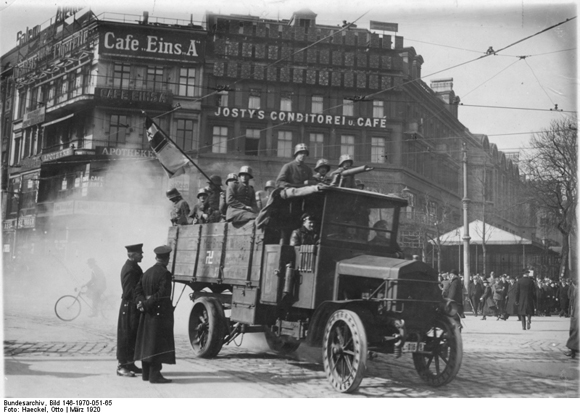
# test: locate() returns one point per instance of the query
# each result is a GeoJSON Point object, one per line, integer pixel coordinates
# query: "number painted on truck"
{"type": "Point", "coordinates": [209, 257]}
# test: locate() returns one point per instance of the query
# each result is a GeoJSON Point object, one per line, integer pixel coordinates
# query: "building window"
{"type": "Point", "coordinates": [347, 145]}
{"type": "Point", "coordinates": [121, 73]}
{"type": "Point", "coordinates": [286, 104]}
{"type": "Point", "coordinates": [16, 149]}
{"type": "Point", "coordinates": [155, 78]}
{"type": "Point", "coordinates": [285, 144]}
{"type": "Point", "coordinates": [317, 104]}
{"type": "Point", "coordinates": [185, 134]}
{"type": "Point", "coordinates": [254, 102]}
{"type": "Point", "coordinates": [187, 82]}
{"type": "Point", "coordinates": [252, 141]}
{"type": "Point", "coordinates": [378, 109]}
{"type": "Point", "coordinates": [222, 99]}
{"type": "Point", "coordinates": [63, 90]}
{"type": "Point", "coordinates": [316, 145]}
{"type": "Point", "coordinates": [347, 107]}
{"type": "Point", "coordinates": [220, 140]}
{"type": "Point", "coordinates": [78, 83]}
{"type": "Point", "coordinates": [378, 150]}
{"type": "Point", "coordinates": [21, 99]}
{"type": "Point", "coordinates": [117, 129]}
{"type": "Point", "coordinates": [51, 94]}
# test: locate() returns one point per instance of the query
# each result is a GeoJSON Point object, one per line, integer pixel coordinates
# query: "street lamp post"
{"type": "Point", "coordinates": [466, 238]}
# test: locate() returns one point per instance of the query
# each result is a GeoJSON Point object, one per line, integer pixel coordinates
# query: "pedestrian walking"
{"type": "Point", "coordinates": [489, 307]}
{"type": "Point", "coordinates": [128, 321]}
{"type": "Point", "coordinates": [155, 342]}
{"type": "Point", "coordinates": [572, 342]}
{"type": "Point", "coordinates": [498, 296]}
{"type": "Point", "coordinates": [477, 293]}
{"type": "Point", "coordinates": [511, 308]}
{"type": "Point", "coordinates": [525, 296]}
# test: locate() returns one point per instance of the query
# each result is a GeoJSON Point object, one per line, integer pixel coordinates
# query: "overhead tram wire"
{"type": "Point", "coordinates": [539, 83]}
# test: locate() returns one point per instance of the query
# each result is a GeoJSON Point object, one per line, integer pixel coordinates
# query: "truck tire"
{"type": "Point", "coordinates": [206, 327]}
{"type": "Point", "coordinates": [344, 351]}
{"type": "Point", "coordinates": [443, 340]}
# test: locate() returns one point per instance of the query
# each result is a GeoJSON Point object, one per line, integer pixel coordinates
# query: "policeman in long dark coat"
{"type": "Point", "coordinates": [155, 343]}
{"type": "Point", "coordinates": [525, 296]}
{"type": "Point", "coordinates": [128, 321]}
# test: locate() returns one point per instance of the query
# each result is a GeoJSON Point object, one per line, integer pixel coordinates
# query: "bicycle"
{"type": "Point", "coordinates": [68, 307]}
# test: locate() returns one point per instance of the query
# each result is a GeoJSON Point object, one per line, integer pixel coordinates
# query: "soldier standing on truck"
{"type": "Point", "coordinates": [262, 196]}
{"type": "Point", "coordinates": [322, 168]}
{"type": "Point", "coordinates": [231, 177]}
{"type": "Point", "coordinates": [201, 212]}
{"type": "Point", "coordinates": [296, 173]}
{"type": "Point", "coordinates": [213, 198]}
{"type": "Point", "coordinates": [180, 211]}
{"type": "Point", "coordinates": [344, 163]}
{"type": "Point", "coordinates": [241, 198]}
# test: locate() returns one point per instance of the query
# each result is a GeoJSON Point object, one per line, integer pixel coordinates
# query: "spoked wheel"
{"type": "Point", "coordinates": [67, 308]}
{"type": "Point", "coordinates": [207, 324]}
{"type": "Point", "coordinates": [345, 350]}
{"type": "Point", "coordinates": [443, 353]}
{"type": "Point", "coordinates": [283, 344]}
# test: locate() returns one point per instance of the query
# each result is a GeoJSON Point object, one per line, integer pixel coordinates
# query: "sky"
{"type": "Point", "coordinates": [506, 96]}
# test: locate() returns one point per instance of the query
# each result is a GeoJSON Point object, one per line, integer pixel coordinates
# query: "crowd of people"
{"type": "Point", "coordinates": [240, 203]}
{"type": "Point", "coordinates": [522, 297]}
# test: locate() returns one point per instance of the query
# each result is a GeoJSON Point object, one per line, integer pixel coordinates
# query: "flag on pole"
{"type": "Point", "coordinates": [169, 155]}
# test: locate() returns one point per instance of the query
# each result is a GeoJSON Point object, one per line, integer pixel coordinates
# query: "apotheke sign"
{"type": "Point", "coordinates": [152, 42]}
{"type": "Point", "coordinates": [298, 117]}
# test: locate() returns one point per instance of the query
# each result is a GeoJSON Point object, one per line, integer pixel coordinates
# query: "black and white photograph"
{"type": "Point", "coordinates": [288, 199]}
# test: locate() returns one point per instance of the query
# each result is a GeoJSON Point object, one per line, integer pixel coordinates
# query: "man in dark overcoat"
{"type": "Point", "coordinates": [511, 308]}
{"type": "Point", "coordinates": [128, 321]}
{"type": "Point", "coordinates": [563, 299]}
{"type": "Point", "coordinates": [155, 343]}
{"type": "Point", "coordinates": [477, 293]}
{"type": "Point", "coordinates": [456, 293]}
{"type": "Point", "coordinates": [525, 297]}
{"type": "Point", "coordinates": [572, 342]}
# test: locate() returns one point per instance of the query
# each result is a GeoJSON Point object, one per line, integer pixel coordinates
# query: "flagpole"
{"type": "Point", "coordinates": [177, 146]}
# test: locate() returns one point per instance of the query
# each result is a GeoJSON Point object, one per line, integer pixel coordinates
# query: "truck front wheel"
{"type": "Point", "coordinates": [345, 350]}
{"type": "Point", "coordinates": [206, 327]}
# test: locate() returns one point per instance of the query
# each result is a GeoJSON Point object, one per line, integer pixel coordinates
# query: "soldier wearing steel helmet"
{"type": "Point", "coordinates": [322, 168]}
{"type": "Point", "coordinates": [263, 195]}
{"type": "Point", "coordinates": [202, 211]}
{"type": "Point", "coordinates": [344, 163]}
{"type": "Point", "coordinates": [180, 210]}
{"type": "Point", "coordinates": [214, 194]}
{"type": "Point", "coordinates": [241, 198]}
{"type": "Point", "coordinates": [296, 173]}
{"type": "Point", "coordinates": [231, 177]}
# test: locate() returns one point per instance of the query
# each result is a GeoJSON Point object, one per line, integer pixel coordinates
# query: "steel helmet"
{"type": "Point", "coordinates": [321, 163]}
{"type": "Point", "coordinates": [201, 192]}
{"type": "Point", "coordinates": [301, 148]}
{"type": "Point", "coordinates": [246, 169]}
{"type": "Point", "coordinates": [231, 177]}
{"type": "Point", "coordinates": [270, 184]}
{"type": "Point", "coordinates": [172, 193]}
{"type": "Point", "coordinates": [343, 158]}
{"type": "Point", "coordinates": [216, 180]}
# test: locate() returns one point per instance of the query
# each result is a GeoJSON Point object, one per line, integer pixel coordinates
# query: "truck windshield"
{"type": "Point", "coordinates": [355, 218]}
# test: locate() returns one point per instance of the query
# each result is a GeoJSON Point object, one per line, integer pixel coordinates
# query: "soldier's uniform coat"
{"type": "Point", "coordinates": [303, 236]}
{"type": "Point", "coordinates": [129, 315]}
{"type": "Point", "coordinates": [239, 195]}
{"type": "Point", "coordinates": [179, 213]}
{"type": "Point", "coordinates": [155, 342]}
{"type": "Point", "coordinates": [294, 175]}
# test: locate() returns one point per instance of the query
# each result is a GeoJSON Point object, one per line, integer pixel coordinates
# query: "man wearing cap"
{"type": "Point", "coordinates": [180, 211]}
{"type": "Point", "coordinates": [214, 194]}
{"type": "Point", "coordinates": [155, 343]}
{"type": "Point", "coordinates": [456, 292]}
{"type": "Point", "coordinates": [305, 234]}
{"type": "Point", "coordinates": [262, 196]}
{"type": "Point", "coordinates": [525, 297]}
{"type": "Point", "coordinates": [296, 173]}
{"type": "Point", "coordinates": [322, 168]}
{"type": "Point", "coordinates": [241, 198]}
{"type": "Point", "coordinates": [128, 321]}
{"type": "Point", "coordinates": [95, 286]}
{"type": "Point", "coordinates": [345, 162]}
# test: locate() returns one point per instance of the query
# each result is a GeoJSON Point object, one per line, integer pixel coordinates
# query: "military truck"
{"type": "Point", "coordinates": [351, 294]}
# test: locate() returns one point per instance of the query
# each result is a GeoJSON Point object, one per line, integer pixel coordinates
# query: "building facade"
{"type": "Point", "coordinates": [232, 91]}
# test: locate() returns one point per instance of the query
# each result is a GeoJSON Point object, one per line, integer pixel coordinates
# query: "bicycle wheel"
{"type": "Point", "coordinates": [67, 308]}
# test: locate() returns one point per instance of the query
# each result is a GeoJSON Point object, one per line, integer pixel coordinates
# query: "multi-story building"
{"type": "Point", "coordinates": [236, 90]}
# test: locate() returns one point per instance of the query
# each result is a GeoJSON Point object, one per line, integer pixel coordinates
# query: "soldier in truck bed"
{"type": "Point", "coordinates": [180, 210]}
{"type": "Point", "coordinates": [344, 163]}
{"type": "Point", "coordinates": [241, 198]}
{"type": "Point", "coordinates": [296, 173]}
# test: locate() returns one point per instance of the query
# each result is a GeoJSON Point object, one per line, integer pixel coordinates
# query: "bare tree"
{"type": "Point", "coordinates": [551, 167]}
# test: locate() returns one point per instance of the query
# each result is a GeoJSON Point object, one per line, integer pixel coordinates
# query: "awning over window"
{"type": "Point", "coordinates": [56, 121]}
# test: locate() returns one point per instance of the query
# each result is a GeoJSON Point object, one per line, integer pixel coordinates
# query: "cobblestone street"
{"type": "Point", "coordinates": [498, 361]}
